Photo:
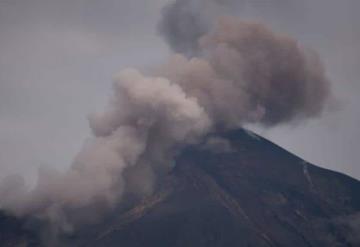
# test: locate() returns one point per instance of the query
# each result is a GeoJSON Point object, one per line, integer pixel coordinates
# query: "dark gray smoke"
{"type": "Point", "coordinates": [182, 26]}
{"type": "Point", "coordinates": [238, 73]}
{"type": "Point", "coordinates": [183, 22]}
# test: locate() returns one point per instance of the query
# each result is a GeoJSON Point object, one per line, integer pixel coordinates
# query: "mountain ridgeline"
{"type": "Point", "coordinates": [234, 189]}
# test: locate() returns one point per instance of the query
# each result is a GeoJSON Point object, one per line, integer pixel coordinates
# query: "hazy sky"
{"type": "Point", "coordinates": [58, 58]}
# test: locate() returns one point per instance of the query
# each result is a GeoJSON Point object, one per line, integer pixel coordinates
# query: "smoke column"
{"type": "Point", "coordinates": [228, 73]}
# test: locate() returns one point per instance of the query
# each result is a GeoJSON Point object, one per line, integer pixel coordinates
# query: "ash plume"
{"type": "Point", "coordinates": [230, 73]}
{"type": "Point", "coordinates": [184, 22]}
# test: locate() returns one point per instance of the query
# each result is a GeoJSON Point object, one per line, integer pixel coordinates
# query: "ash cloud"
{"type": "Point", "coordinates": [147, 117]}
{"type": "Point", "coordinates": [248, 74]}
{"type": "Point", "coordinates": [229, 73]}
{"type": "Point", "coordinates": [182, 25]}
{"type": "Point", "coordinates": [184, 22]}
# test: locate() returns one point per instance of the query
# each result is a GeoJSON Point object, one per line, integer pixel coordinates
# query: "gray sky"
{"type": "Point", "coordinates": [58, 58]}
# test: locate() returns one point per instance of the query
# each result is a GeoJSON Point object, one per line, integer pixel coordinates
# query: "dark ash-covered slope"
{"type": "Point", "coordinates": [15, 232]}
{"type": "Point", "coordinates": [248, 193]}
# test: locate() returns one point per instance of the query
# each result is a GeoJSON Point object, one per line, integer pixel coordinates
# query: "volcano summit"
{"type": "Point", "coordinates": [233, 189]}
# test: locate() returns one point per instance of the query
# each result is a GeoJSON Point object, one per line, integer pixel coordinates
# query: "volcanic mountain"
{"type": "Point", "coordinates": [234, 189]}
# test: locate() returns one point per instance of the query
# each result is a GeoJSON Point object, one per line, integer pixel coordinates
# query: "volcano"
{"type": "Point", "coordinates": [234, 189]}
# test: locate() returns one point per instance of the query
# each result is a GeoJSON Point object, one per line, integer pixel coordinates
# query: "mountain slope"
{"type": "Point", "coordinates": [14, 232]}
{"type": "Point", "coordinates": [237, 189]}
{"type": "Point", "coordinates": [246, 193]}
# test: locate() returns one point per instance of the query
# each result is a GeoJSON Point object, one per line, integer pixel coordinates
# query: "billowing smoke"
{"type": "Point", "coordinates": [147, 117]}
{"type": "Point", "coordinates": [247, 73]}
{"type": "Point", "coordinates": [230, 73]}
{"type": "Point", "coordinates": [184, 22]}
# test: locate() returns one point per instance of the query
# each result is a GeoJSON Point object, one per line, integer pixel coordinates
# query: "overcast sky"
{"type": "Point", "coordinates": [58, 58]}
